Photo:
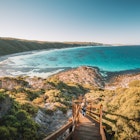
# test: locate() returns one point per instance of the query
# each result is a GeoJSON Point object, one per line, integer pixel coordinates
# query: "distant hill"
{"type": "Point", "coordinates": [13, 45]}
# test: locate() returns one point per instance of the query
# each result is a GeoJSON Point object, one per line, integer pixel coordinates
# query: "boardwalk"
{"type": "Point", "coordinates": [87, 129]}
{"type": "Point", "coordinates": [80, 127]}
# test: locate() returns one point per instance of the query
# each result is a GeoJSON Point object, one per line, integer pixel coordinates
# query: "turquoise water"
{"type": "Point", "coordinates": [106, 58]}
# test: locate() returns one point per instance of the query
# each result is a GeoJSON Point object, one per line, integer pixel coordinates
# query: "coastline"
{"type": "Point", "coordinates": [106, 74]}
{"type": "Point", "coordinates": [4, 57]}
{"type": "Point", "coordinates": [13, 45]}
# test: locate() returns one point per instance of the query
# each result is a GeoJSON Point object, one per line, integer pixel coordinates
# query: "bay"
{"type": "Point", "coordinates": [47, 62]}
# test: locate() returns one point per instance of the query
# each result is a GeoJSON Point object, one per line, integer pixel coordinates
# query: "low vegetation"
{"type": "Point", "coordinates": [17, 123]}
{"type": "Point", "coordinates": [121, 114]}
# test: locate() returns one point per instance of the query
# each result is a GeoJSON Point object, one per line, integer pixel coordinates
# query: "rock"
{"type": "Point", "coordinates": [52, 122]}
{"type": "Point", "coordinates": [82, 75]}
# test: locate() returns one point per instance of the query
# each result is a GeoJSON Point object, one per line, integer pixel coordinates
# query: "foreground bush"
{"type": "Point", "coordinates": [17, 124]}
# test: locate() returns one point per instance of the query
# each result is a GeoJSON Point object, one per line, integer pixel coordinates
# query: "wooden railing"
{"type": "Point", "coordinates": [102, 132]}
{"type": "Point", "coordinates": [59, 132]}
{"type": "Point", "coordinates": [95, 113]}
{"type": "Point", "coordinates": [70, 126]}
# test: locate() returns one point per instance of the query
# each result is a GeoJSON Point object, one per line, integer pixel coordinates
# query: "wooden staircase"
{"type": "Point", "coordinates": [81, 127]}
{"type": "Point", "coordinates": [87, 129]}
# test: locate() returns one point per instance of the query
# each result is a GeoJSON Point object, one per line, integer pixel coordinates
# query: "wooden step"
{"type": "Point", "coordinates": [87, 130]}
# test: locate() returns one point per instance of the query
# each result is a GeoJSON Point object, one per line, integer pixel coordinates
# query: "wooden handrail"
{"type": "Point", "coordinates": [91, 113]}
{"type": "Point", "coordinates": [93, 110]}
{"type": "Point", "coordinates": [70, 125]}
{"type": "Point", "coordinates": [74, 120]}
{"type": "Point", "coordinates": [97, 115]}
{"type": "Point", "coordinates": [101, 126]}
{"type": "Point", "coordinates": [60, 131]}
{"type": "Point", "coordinates": [76, 110]}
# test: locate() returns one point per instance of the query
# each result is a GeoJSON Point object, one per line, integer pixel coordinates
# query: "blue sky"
{"type": "Point", "coordinates": [106, 21]}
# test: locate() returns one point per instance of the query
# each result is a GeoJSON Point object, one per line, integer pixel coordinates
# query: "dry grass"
{"type": "Point", "coordinates": [121, 110]}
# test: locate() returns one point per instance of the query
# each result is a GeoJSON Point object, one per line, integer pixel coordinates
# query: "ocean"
{"type": "Point", "coordinates": [47, 62]}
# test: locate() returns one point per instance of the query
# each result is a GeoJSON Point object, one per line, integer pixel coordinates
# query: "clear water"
{"type": "Point", "coordinates": [106, 58]}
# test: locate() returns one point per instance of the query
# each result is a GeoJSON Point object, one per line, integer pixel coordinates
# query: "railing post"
{"type": "Point", "coordinates": [100, 119]}
{"type": "Point", "coordinates": [101, 127]}
{"type": "Point", "coordinates": [90, 109]}
{"type": "Point", "coordinates": [73, 108]}
{"type": "Point", "coordinates": [76, 118]}
{"type": "Point", "coordinates": [70, 130]}
{"type": "Point", "coordinates": [78, 109]}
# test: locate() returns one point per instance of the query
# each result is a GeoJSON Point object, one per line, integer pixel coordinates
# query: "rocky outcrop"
{"type": "Point", "coordinates": [82, 75]}
{"type": "Point", "coordinates": [52, 122]}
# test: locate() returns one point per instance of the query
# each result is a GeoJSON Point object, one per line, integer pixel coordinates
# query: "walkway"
{"type": "Point", "coordinates": [80, 127]}
{"type": "Point", "coordinates": [87, 129]}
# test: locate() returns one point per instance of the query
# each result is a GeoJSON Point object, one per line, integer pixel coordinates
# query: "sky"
{"type": "Point", "coordinates": [104, 21]}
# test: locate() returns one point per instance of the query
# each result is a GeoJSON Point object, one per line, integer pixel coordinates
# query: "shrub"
{"type": "Point", "coordinates": [32, 110]}
{"type": "Point", "coordinates": [38, 100]}
{"type": "Point", "coordinates": [123, 109]}
{"type": "Point", "coordinates": [135, 83]}
{"type": "Point", "coordinates": [2, 96]}
{"type": "Point", "coordinates": [21, 115]}
{"type": "Point", "coordinates": [4, 133]}
{"type": "Point", "coordinates": [2, 90]}
{"type": "Point", "coordinates": [13, 132]}
{"type": "Point", "coordinates": [31, 95]}
{"type": "Point", "coordinates": [9, 120]}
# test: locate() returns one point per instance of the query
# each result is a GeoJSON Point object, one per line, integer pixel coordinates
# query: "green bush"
{"type": "Point", "coordinates": [2, 96]}
{"type": "Point", "coordinates": [33, 94]}
{"type": "Point", "coordinates": [4, 133]}
{"type": "Point", "coordinates": [13, 132]}
{"type": "Point", "coordinates": [21, 115]}
{"type": "Point", "coordinates": [32, 110]}
{"type": "Point", "coordinates": [18, 124]}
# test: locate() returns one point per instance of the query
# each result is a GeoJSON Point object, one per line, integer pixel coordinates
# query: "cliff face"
{"type": "Point", "coordinates": [11, 45]}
